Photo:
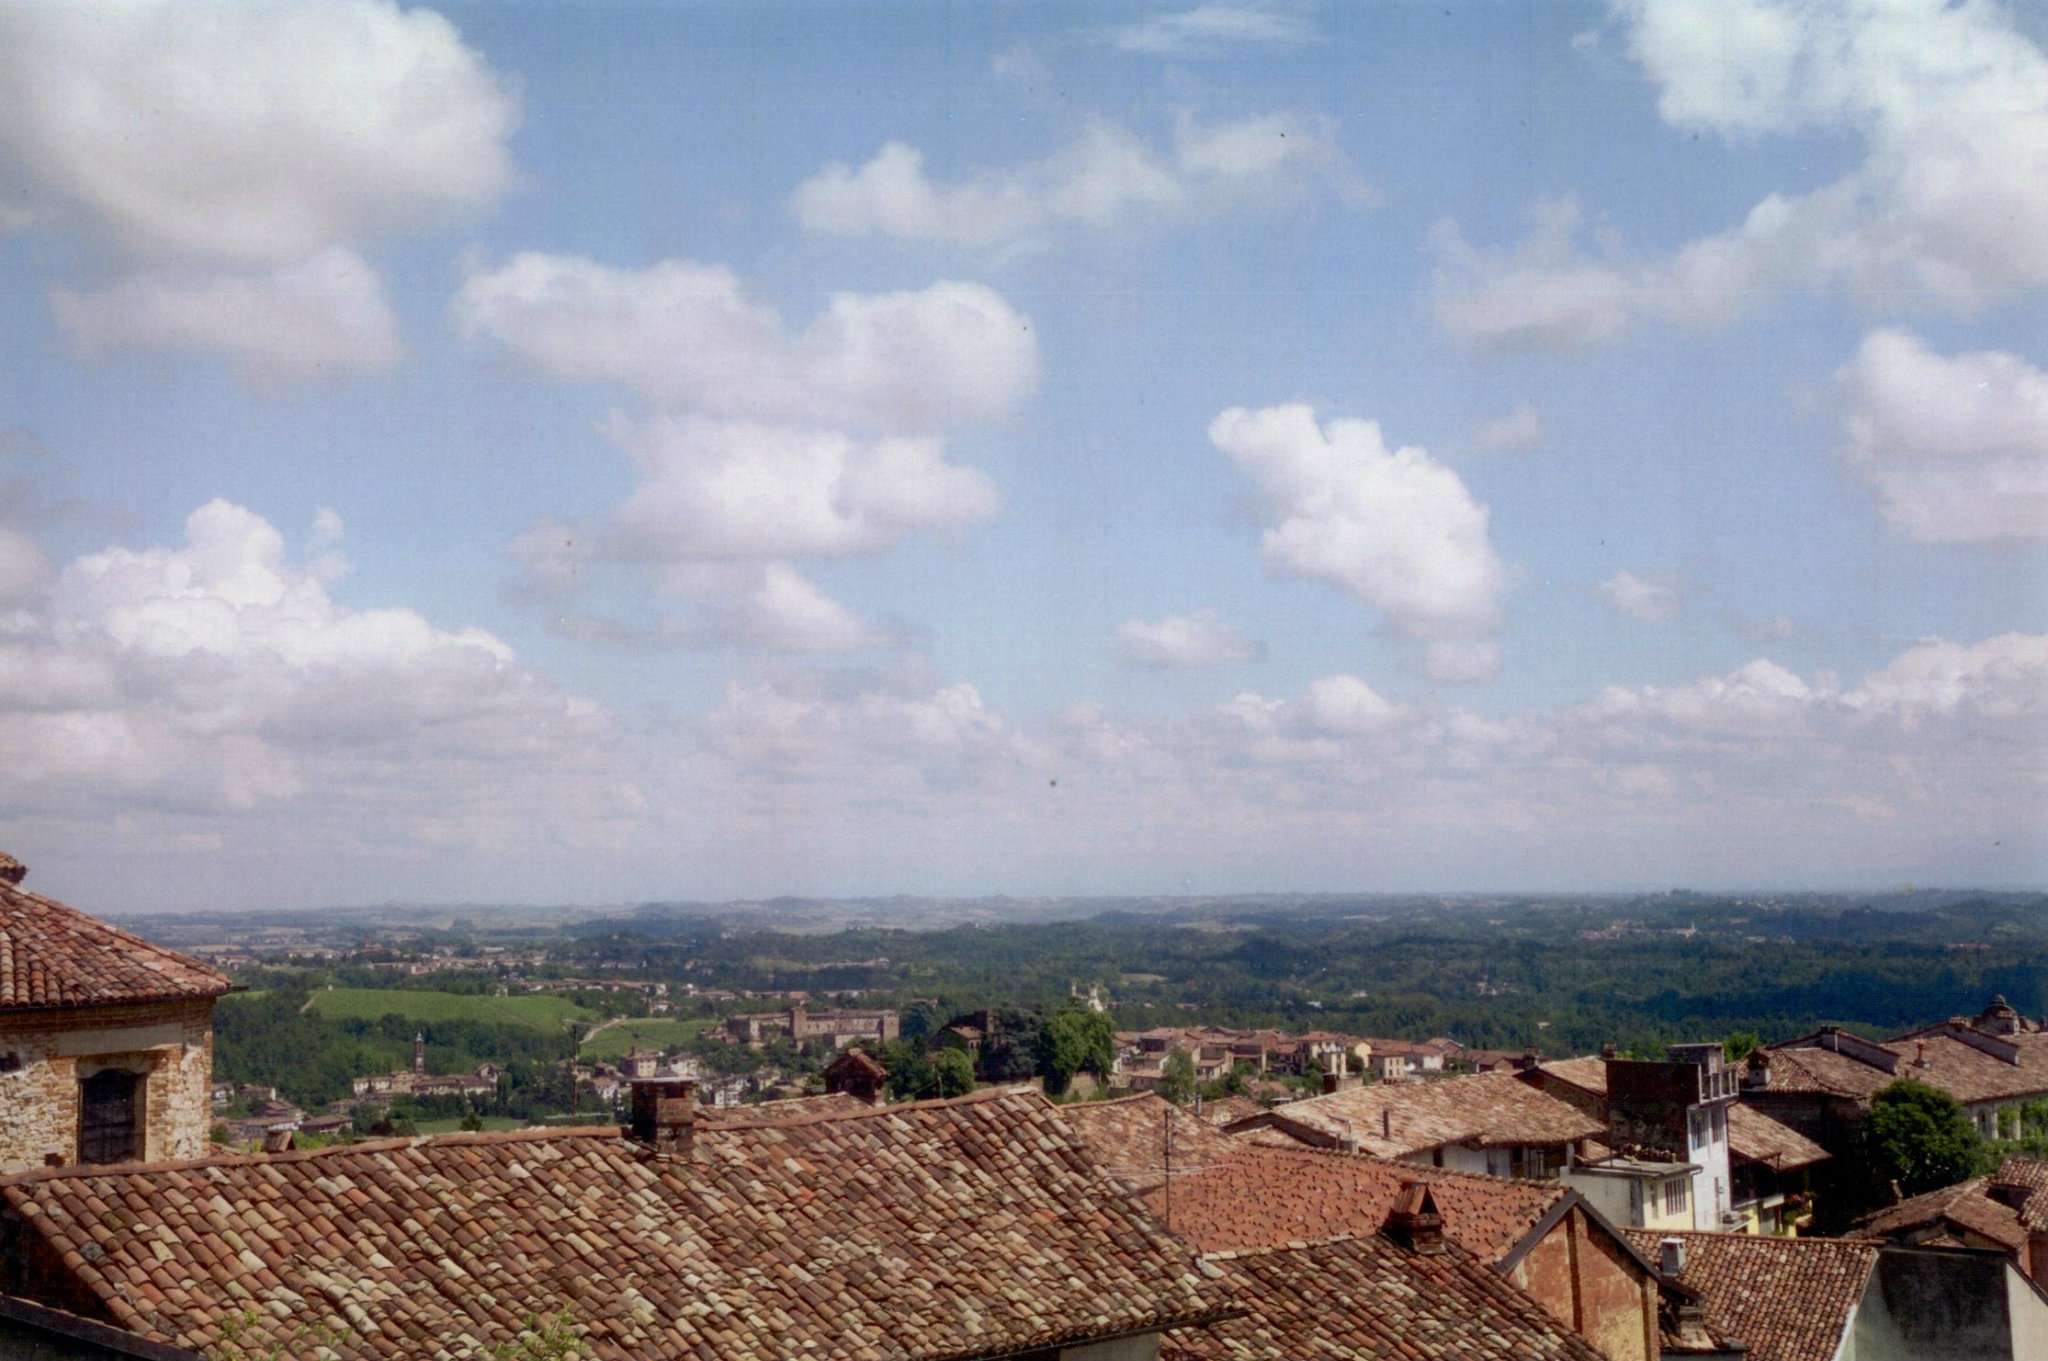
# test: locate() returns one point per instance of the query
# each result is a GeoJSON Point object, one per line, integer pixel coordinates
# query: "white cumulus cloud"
{"type": "Point", "coordinates": [1948, 207]}
{"type": "Point", "coordinates": [1107, 175]}
{"type": "Point", "coordinates": [239, 156]}
{"type": "Point", "coordinates": [1653, 602]}
{"type": "Point", "coordinates": [1199, 639]}
{"type": "Point", "coordinates": [1955, 447]}
{"type": "Point", "coordinates": [687, 335]}
{"type": "Point", "coordinates": [1396, 528]}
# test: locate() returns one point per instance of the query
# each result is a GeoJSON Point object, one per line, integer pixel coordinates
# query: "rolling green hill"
{"type": "Point", "coordinates": [540, 1011]}
{"type": "Point", "coordinates": [653, 1033]}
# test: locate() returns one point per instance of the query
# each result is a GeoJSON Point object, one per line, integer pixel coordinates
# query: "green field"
{"type": "Point", "coordinates": [540, 1011]}
{"type": "Point", "coordinates": [453, 1124]}
{"type": "Point", "coordinates": [659, 1032]}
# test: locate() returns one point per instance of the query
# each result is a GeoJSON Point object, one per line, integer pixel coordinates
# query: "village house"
{"type": "Point", "coordinates": [1833, 1299]}
{"type": "Point", "coordinates": [2006, 1211]}
{"type": "Point", "coordinates": [1399, 1060]}
{"type": "Point", "coordinates": [865, 1234]}
{"type": "Point", "coordinates": [1666, 1116]}
{"type": "Point", "coordinates": [1821, 1084]}
{"type": "Point", "coordinates": [856, 1074]}
{"type": "Point", "coordinates": [106, 1041]}
{"type": "Point", "coordinates": [1490, 1123]}
{"type": "Point", "coordinates": [1540, 1237]}
{"type": "Point", "coordinates": [1768, 1162]}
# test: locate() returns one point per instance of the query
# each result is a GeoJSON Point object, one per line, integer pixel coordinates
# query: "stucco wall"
{"type": "Point", "coordinates": [1586, 1282]}
{"type": "Point", "coordinates": [171, 1042]}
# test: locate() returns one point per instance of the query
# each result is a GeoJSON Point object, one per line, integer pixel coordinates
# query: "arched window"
{"type": "Point", "coordinates": [110, 1117]}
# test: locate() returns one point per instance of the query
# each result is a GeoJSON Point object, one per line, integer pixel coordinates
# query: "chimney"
{"type": "Point", "coordinates": [664, 1115]}
{"type": "Point", "coordinates": [1608, 1051]}
{"type": "Point", "coordinates": [1920, 1053]}
{"type": "Point", "coordinates": [1386, 1122]}
{"type": "Point", "coordinates": [1414, 1222]}
{"type": "Point", "coordinates": [419, 1051]}
{"type": "Point", "coordinates": [12, 870]}
{"type": "Point", "coordinates": [277, 1141]}
{"type": "Point", "coordinates": [1671, 1256]}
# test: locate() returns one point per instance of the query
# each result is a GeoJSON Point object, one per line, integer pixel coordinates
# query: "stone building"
{"type": "Point", "coordinates": [106, 1041]}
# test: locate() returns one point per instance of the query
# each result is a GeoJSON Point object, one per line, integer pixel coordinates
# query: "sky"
{"type": "Point", "coordinates": [524, 453]}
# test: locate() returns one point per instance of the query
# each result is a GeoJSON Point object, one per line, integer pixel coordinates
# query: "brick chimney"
{"type": "Point", "coordinates": [1608, 1051]}
{"type": "Point", "coordinates": [1414, 1222]}
{"type": "Point", "coordinates": [277, 1141]}
{"type": "Point", "coordinates": [664, 1115]}
{"type": "Point", "coordinates": [12, 870]}
{"type": "Point", "coordinates": [1386, 1122]}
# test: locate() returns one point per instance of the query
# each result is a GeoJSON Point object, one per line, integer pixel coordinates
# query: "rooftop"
{"type": "Point", "coordinates": [1757, 1138]}
{"type": "Point", "coordinates": [1364, 1296]}
{"type": "Point", "coordinates": [932, 1230]}
{"type": "Point", "coordinates": [1965, 1206]}
{"type": "Point", "coordinates": [1789, 1299]}
{"type": "Point", "coordinates": [52, 955]}
{"type": "Point", "coordinates": [1126, 1138]}
{"type": "Point", "coordinates": [1262, 1196]}
{"type": "Point", "coordinates": [1392, 1119]}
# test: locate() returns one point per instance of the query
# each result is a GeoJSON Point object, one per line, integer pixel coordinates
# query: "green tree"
{"type": "Point", "coordinates": [1917, 1136]}
{"type": "Point", "coordinates": [1178, 1082]}
{"type": "Point", "coordinates": [1075, 1040]}
{"type": "Point", "coordinates": [952, 1073]}
{"type": "Point", "coordinates": [472, 1121]}
{"type": "Point", "coordinates": [1741, 1045]}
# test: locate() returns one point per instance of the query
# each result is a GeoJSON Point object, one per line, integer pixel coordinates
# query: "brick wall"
{"type": "Point", "coordinates": [54, 1051]}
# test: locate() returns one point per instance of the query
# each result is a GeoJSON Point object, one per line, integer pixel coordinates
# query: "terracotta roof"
{"type": "Point", "coordinates": [1934, 1056]}
{"type": "Point", "coordinates": [1226, 1110]}
{"type": "Point", "coordinates": [1756, 1137]}
{"type": "Point", "coordinates": [1364, 1296]}
{"type": "Point", "coordinates": [1789, 1299]}
{"type": "Point", "coordinates": [52, 955]}
{"type": "Point", "coordinates": [2032, 1174]}
{"type": "Point", "coordinates": [1588, 1074]}
{"type": "Point", "coordinates": [1966, 1205]}
{"type": "Point", "coordinates": [1821, 1070]}
{"type": "Point", "coordinates": [1126, 1138]}
{"type": "Point", "coordinates": [929, 1230]}
{"type": "Point", "coordinates": [860, 1059]}
{"type": "Point", "coordinates": [1262, 1196]}
{"type": "Point", "coordinates": [1390, 1119]}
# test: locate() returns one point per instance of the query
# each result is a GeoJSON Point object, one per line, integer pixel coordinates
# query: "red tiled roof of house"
{"type": "Point", "coordinates": [2031, 1174]}
{"type": "Point", "coordinates": [52, 955]}
{"type": "Point", "coordinates": [1587, 1074]}
{"type": "Point", "coordinates": [1965, 1205]}
{"type": "Point", "coordinates": [1365, 1296]}
{"type": "Point", "coordinates": [1788, 1299]}
{"type": "Point", "coordinates": [1126, 1138]}
{"type": "Point", "coordinates": [860, 1059]}
{"type": "Point", "coordinates": [1819, 1070]}
{"type": "Point", "coordinates": [1262, 1196]}
{"type": "Point", "coordinates": [1935, 1055]}
{"type": "Point", "coordinates": [931, 1230]}
{"type": "Point", "coordinates": [1226, 1110]}
{"type": "Point", "coordinates": [1390, 1119]}
{"type": "Point", "coordinates": [1756, 1137]}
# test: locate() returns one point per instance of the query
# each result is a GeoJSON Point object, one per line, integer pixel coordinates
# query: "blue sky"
{"type": "Point", "coordinates": [534, 453]}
